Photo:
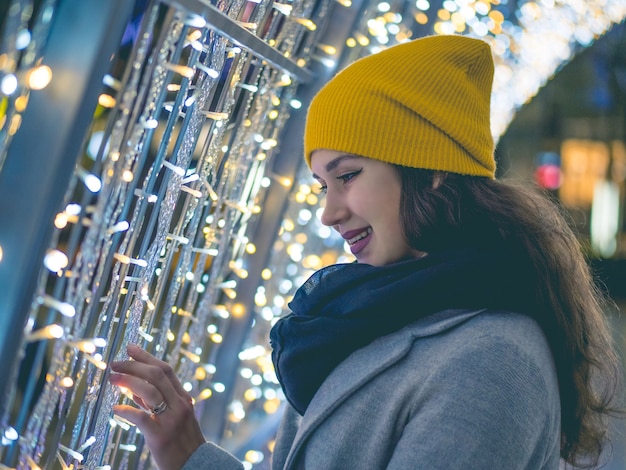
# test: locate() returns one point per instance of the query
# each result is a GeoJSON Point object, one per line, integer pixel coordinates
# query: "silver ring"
{"type": "Point", "coordinates": [158, 409]}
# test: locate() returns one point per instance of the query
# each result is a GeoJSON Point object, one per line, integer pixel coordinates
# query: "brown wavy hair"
{"type": "Point", "coordinates": [443, 210]}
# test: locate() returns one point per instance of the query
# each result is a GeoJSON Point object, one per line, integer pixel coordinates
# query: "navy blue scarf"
{"type": "Point", "coordinates": [344, 307]}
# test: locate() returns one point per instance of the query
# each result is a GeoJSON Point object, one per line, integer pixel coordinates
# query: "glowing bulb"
{"type": "Point", "coordinates": [92, 182]}
{"type": "Point", "coordinates": [66, 382]}
{"type": "Point", "coordinates": [307, 23]}
{"type": "Point", "coordinates": [22, 40]}
{"type": "Point", "coordinates": [53, 331]}
{"type": "Point", "coordinates": [55, 260]}
{"type": "Point", "coordinates": [39, 77]}
{"type": "Point", "coordinates": [204, 394]}
{"type": "Point", "coordinates": [106, 101]}
{"type": "Point", "coordinates": [8, 85]}
{"type": "Point", "coordinates": [64, 308]}
{"type": "Point", "coordinates": [330, 50]}
{"type": "Point", "coordinates": [238, 310]}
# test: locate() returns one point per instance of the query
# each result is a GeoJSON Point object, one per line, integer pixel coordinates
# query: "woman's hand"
{"type": "Point", "coordinates": [167, 419]}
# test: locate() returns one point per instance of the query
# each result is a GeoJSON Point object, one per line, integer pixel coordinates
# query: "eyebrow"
{"type": "Point", "coordinates": [334, 163]}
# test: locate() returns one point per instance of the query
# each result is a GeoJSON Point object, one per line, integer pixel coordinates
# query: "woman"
{"type": "Point", "coordinates": [469, 335]}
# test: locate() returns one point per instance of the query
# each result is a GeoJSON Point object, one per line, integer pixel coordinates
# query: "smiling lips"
{"type": "Point", "coordinates": [358, 239]}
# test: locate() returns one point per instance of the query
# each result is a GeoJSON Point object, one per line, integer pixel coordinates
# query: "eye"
{"type": "Point", "coordinates": [320, 189]}
{"type": "Point", "coordinates": [348, 176]}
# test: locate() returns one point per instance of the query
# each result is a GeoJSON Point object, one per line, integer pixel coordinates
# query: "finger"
{"type": "Point", "coordinates": [141, 355]}
{"type": "Point", "coordinates": [139, 418]}
{"type": "Point", "coordinates": [144, 393]}
{"type": "Point", "coordinates": [154, 375]}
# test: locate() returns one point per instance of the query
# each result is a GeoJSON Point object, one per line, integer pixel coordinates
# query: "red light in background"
{"type": "Point", "coordinates": [548, 176]}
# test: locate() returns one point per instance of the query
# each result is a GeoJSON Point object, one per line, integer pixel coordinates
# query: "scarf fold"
{"type": "Point", "coordinates": [344, 307]}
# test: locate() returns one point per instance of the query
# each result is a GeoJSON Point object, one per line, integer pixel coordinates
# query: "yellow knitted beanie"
{"type": "Point", "coordinates": [422, 104]}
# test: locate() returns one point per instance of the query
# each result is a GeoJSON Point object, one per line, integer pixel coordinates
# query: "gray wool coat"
{"type": "Point", "coordinates": [471, 390]}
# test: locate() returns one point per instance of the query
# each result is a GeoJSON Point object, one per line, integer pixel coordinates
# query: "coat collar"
{"type": "Point", "coordinates": [379, 356]}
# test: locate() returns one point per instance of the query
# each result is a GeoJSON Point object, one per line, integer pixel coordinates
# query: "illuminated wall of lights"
{"type": "Point", "coordinates": [155, 232]}
{"type": "Point", "coordinates": [153, 236]}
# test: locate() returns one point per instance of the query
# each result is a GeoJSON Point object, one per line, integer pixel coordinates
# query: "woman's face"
{"type": "Point", "coordinates": [363, 205]}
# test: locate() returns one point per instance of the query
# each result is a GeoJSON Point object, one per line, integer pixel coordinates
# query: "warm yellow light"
{"type": "Point", "coordinates": [421, 18]}
{"type": "Point", "coordinates": [66, 382]}
{"type": "Point", "coordinates": [217, 338]}
{"type": "Point", "coordinates": [288, 225]}
{"type": "Point", "coordinates": [254, 456]}
{"type": "Point", "coordinates": [271, 406]}
{"type": "Point", "coordinates": [194, 35]}
{"type": "Point", "coordinates": [443, 14]}
{"type": "Point", "coordinates": [16, 122]}
{"type": "Point", "coordinates": [307, 23]}
{"type": "Point", "coordinates": [275, 100]}
{"type": "Point", "coordinates": [301, 238]}
{"type": "Point", "coordinates": [85, 346]}
{"type": "Point", "coordinates": [238, 310]}
{"type": "Point", "coordinates": [106, 101]}
{"type": "Point", "coordinates": [250, 395]}
{"type": "Point", "coordinates": [260, 300]}
{"type": "Point", "coordinates": [181, 69]}
{"type": "Point", "coordinates": [312, 262]}
{"type": "Point", "coordinates": [39, 77]}
{"type": "Point", "coordinates": [191, 356]}
{"type": "Point", "coordinates": [48, 332]}
{"type": "Point", "coordinates": [1, 253]}
{"type": "Point", "coordinates": [330, 50]}
{"type": "Point", "coordinates": [127, 176]}
{"type": "Point", "coordinates": [201, 373]}
{"type": "Point", "coordinates": [300, 198]}
{"type": "Point", "coordinates": [266, 274]}
{"type": "Point", "coordinates": [362, 39]}
{"type": "Point", "coordinates": [496, 16]}
{"type": "Point", "coordinates": [186, 338]}
{"type": "Point", "coordinates": [20, 103]}
{"type": "Point", "coordinates": [251, 248]}
{"type": "Point", "coordinates": [204, 394]}
{"type": "Point", "coordinates": [312, 199]}
{"type": "Point", "coordinates": [351, 42]}
{"type": "Point", "coordinates": [230, 293]}
{"type": "Point", "coordinates": [273, 114]}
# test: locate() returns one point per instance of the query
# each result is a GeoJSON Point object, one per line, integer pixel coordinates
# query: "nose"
{"type": "Point", "coordinates": [335, 210]}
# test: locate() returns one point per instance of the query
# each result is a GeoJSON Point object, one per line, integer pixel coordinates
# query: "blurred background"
{"type": "Point", "coordinates": [152, 190]}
